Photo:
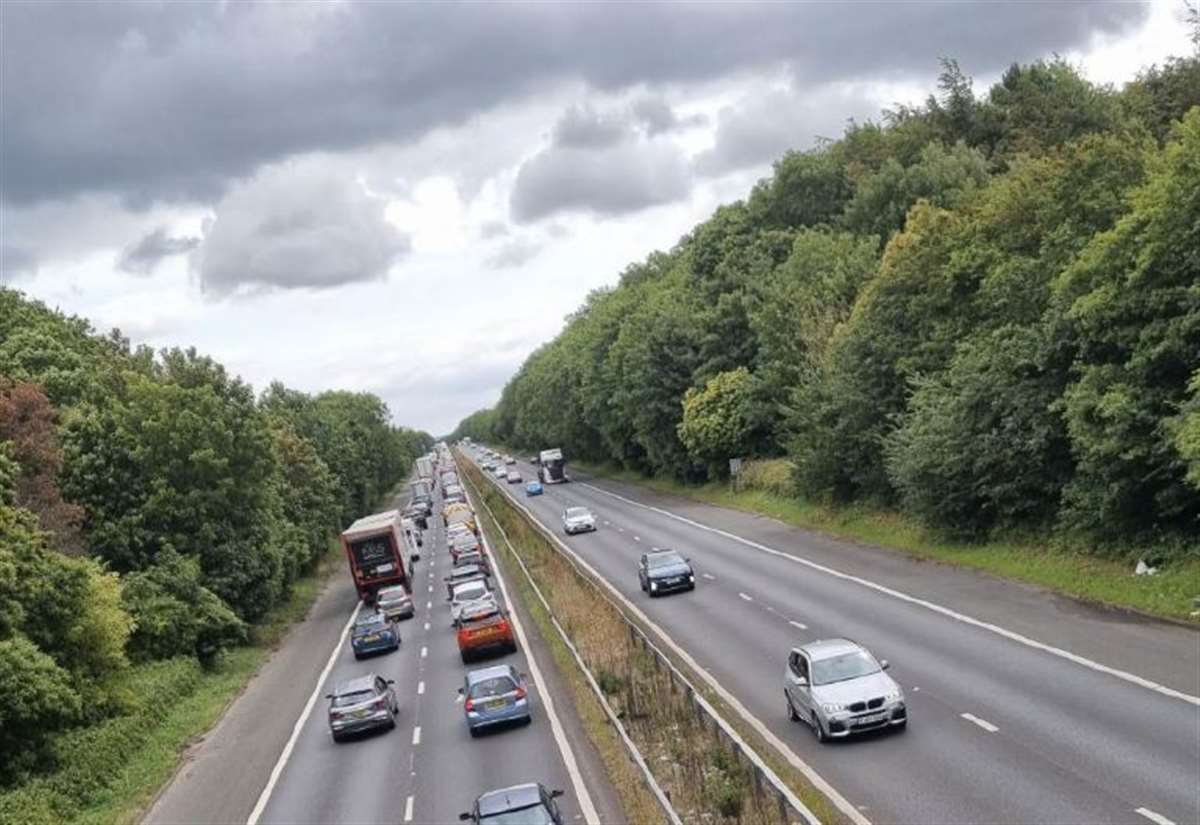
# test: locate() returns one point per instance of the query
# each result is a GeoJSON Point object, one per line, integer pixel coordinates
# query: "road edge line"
{"type": "Point", "coordinates": [587, 807]}
{"type": "Point", "coordinates": [265, 796]}
{"type": "Point", "coordinates": [1011, 635]}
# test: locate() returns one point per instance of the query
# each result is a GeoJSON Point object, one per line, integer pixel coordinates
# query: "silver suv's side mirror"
{"type": "Point", "coordinates": [884, 664]}
{"type": "Point", "coordinates": [801, 681]}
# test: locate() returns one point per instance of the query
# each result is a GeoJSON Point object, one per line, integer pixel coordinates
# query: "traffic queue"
{"type": "Point", "coordinates": [381, 551]}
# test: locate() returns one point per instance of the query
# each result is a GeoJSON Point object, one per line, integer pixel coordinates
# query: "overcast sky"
{"type": "Point", "coordinates": [408, 198]}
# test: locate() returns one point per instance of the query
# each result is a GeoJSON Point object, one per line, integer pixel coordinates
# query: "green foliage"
{"type": "Point", "coordinates": [39, 699]}
{"type": "Point", "coordinates": [717, 423]}
{"type": "Point", "coordinates": [176, 615]}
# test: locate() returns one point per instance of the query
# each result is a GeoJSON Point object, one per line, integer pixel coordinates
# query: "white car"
{"type": "Point", "coordinates": [508, 459]}
{"type": "Point", "coordinates": [513, 477]}
{"type": "Point", "coordinates": [470, 593]}
{"type": "Point", "coordinates": [578, 520]}
{"type": "Point", "coordinates": [500, 472]}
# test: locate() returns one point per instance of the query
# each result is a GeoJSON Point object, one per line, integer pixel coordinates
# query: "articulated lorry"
{"type": "Point", "coordinates": [378, 552]}
{"type": "Point", "coordinates": [552, 467]}
{"type": "Point", "coordinates": [425, 467]}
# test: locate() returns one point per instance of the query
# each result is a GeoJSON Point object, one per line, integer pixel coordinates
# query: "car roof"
{"type": "Point", "coordinates": [485, 673]}
{"type": "Point", "coordinates": [392, 591]}
{"type": "Point", "coordinates": [508, 799]}
{"type": "Point", "coordinates": [825, 648]}
{"type": "Point", "coordinates": [355, 685]}
{"type": "Point", "coordinates": [369, 618]}
{"type": "Point", "coordinates": [662, 551]}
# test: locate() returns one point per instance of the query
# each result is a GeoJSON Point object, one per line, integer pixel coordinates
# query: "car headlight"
{"type": "Point", "coordinates": [691, 577]}
{"type": "Point", "coordinates": [832, 707]}
{"type": "Point", "coordinates": [893, 695]}
{"type": "Point", "coordinates": [653, 585]}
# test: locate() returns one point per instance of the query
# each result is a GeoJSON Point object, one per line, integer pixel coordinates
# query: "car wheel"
{"type": "Point", "coordinates": [466, 659]}
{"type": "Point", "coordinates": [391, 723]}
{"type": "Point", "coordinates": [791, 710]}
{"type": "Point", "coordinates": [818, 730]}
{"type": "Point", "coordinates": [357, 656]}
{"type": "Point", "coordinates": [512, 648]}
{"type": "Point", "coordinates": [473, 731]}
{"type": "Point", "coordinates": [337, 737]}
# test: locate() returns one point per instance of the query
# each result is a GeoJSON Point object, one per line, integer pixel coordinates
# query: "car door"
{"type": "Point", "coordinates": [642, 578]}
{"type": "Point", "coordinates": [797, 683]}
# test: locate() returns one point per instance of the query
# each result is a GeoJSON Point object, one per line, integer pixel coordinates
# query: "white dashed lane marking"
{"type": "Point", "coordinates": [426, 625]}
{"type": "Point", "coordinates": [424, 652]}
{"type": "Point", "coordinates": [983, 723]}
{"type": "Point", "coordinates": [745, 598]}
{"type": "Point", "coordinates": [408, 809]}
{"type": "Point", "coordinates": [708, 576]}
{"type": "Point", "coordinates": [420, 688]}
{"type": "Point", "coordinates": [1154, 817]}
{"type": "Point", "coordinates": [637, 538]}
{"type": "Point", "coordinates": [417, 735]}
{"type": "Point", "coordinates": [798, 625]}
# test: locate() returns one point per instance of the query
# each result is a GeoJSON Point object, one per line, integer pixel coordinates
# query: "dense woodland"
{"type": "Point", "coordinates": [984, 311]}
{"type": "Point", "coordinates": [152, 507]}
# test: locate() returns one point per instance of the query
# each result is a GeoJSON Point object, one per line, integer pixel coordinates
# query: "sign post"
{"type": "Point", "coordinates": [735, 470]}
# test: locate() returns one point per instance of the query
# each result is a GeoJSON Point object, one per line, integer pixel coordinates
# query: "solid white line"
{"type": "Point", "coordinates": [408, 809]}
{"type": "Point", "coordinates": [420, 688]}
{"type": "Point", "coordinates": [431, 588]}
{"type": "Point", "coordinates": [799, 625]}
{"type": "Point", "coordinates": [286, 754]}
{"type": "Point", "coordinates": [560, 737]}
{"type": "Point", "coordinates": [983, 723]}
{"type": "Point", "coordinates": [1153, 817]}
{"type": "Point", "coordinates": [424, 652]}
{"type": "Point", "coordinates": [744, 597]}
{"type": "Point", "coordinates": [417, 735]}
{"type": "Point", "coordinates": [936, 608]}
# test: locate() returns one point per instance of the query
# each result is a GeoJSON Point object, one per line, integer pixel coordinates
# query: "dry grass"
{"type": "Point", "coordinates": [706, 779]}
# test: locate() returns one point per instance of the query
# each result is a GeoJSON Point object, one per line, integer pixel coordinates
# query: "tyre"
{"type": "Point", "coordinates": [473, 731]}
{"type": "Point", "coordinates": [791, 711]}
{"type": "Point", "coordinates": [466, 658]}
{"type": "Point", "coordinates": [818, 730]}
{"type": "Point", "coordinates": [512, 648]}
{"type": "Point", "coordinates": [391, 725]}
{"type": "Point", "coordinates": [357, 656]}
{"type": "Point", "coordinates": [339, 738]}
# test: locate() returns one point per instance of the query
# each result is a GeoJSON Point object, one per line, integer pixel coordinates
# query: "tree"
{"type": "Point", "coordinates": [717, 421]}
{"type": "Point", "coordinates": [28, 424]}
{"type": "Point", "coordinates": [39, 700]}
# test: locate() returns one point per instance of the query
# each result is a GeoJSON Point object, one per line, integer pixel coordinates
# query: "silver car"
{"type": "Point", "coordinates": [394, 602]}
{"type": "Point", "coordinates": [578, 520]}
{"type": "Point", "coordinates": [838, 688]}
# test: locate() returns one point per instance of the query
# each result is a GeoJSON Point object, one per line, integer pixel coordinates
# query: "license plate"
{"type": "Point", "coordinates": [496, 704]}
{"type": "Point", "coordinates": [384, 568]}
{"type": "Point", "coordinates": [359, 714]}
{"type": "Point", "coordinates": [870, 719]}
{"type": "Point", "coordinates": [374, 637]}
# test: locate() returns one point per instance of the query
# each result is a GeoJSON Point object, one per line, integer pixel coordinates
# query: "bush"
{"type": "Point", "coordinates": [769, 475]}
{"type": "Point", "coordinates": [39, 699]}
{"type": "Point", "coordinates": [176, 615]}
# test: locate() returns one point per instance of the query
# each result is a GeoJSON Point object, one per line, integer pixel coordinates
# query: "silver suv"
{"type": "Point", "coordinates": [838, 687]}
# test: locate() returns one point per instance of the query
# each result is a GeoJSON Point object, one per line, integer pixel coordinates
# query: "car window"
{"type": "Point", "coordinates": [840, 668]}
{"type": "Point", "coordinates": [495, 686]}
{"type": "Point", "coordinates": [576, 512]}
{"type": "Point", "coordinates": [534, 815]}
{"type": "Point", "coordinates": [353, 698]}
{"type": "Point", "coordinates": [380, 684]}
{"type": "Point", "coordinates": [665, 560]}
{"type": "Point", "coordinates": [370, 623]}
{"type": "Point", "coordinates": [462, 594]}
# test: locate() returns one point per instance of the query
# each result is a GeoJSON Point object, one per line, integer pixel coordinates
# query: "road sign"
{"type": "Point", "coordinates": [735, 466]}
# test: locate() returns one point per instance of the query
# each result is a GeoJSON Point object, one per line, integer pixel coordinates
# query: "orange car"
{"type": "Point", "coordinates": [483, 628]}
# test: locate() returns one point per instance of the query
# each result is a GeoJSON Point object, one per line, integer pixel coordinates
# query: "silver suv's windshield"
{"type": "Point", "coordinates": [577, 512]}
{"type": "Point", "coordinates": [840, 668]}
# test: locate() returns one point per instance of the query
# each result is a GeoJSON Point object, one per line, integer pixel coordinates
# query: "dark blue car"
{"type": "Point", "coordinates": [374, 633]}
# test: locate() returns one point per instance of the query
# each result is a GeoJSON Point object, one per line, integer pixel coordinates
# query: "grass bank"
{"type": "Point", "coordinates": [110, 772]}
{"type": "Point", "coordinates": [1055, 566]}
{"type": "Point", "coordinates": [705, 779]}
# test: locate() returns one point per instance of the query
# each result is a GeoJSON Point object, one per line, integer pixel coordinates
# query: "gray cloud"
{"type": "Point", "coordinates": [656, 116]}
{"type": "Point", "coordinates": [16, 263]}
{"type": "Point", "coordinates": [582, 127]}
{"type": "Point", "coordinates": [513, 254]}
{"type": "Point", "coordinates": [627, 177]}
{"type": "Point", "coordinates": [292, 227]}
{"type": "Point", "coordinates": [759, 129]}
{"type": "Point", "coordinates": [493, 229]}
{"type": "Point", "coordinates": [174, 101]}
{"type": "Point", "coordinates": [142, 257]}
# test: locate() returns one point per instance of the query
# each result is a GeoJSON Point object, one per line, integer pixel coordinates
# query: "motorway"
{"type": "Point", "coordinates": [427, 770]}
{"type": "Point", "coordinates": [1024, 707]}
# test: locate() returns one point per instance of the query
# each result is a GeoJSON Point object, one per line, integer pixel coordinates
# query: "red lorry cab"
{"type": "Point", "coordinates": [377, 553]}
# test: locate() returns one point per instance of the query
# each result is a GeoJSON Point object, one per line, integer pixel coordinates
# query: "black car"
{"type": "Point", "coordinates": [663, 571]}
{"type": "Point", "coordinates": [529, 804]}
{"type": "Point", "coordinates": [374, 633]}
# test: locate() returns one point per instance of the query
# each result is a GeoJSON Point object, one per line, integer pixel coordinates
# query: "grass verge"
{"type": "Point", "coordinates": [1168, 594]}
{"type": "Point", "coordinates": [110, 772]}
{"type": "Point", "coordinates": [705, 779]}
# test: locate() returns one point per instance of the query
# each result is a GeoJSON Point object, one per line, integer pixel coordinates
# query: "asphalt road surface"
{"type": "Point", "coordinates": [1002, 730]}
{"type": "Point", "coordinates": [427, 770]}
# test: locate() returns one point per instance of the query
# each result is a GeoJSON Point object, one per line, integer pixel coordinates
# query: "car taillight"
{"type": "Point", "coordinates": [380, 702]}
{"type": "Point", "coordinates": [520, 693]}
{"type": "Point", "coordinates": [469, 705]}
